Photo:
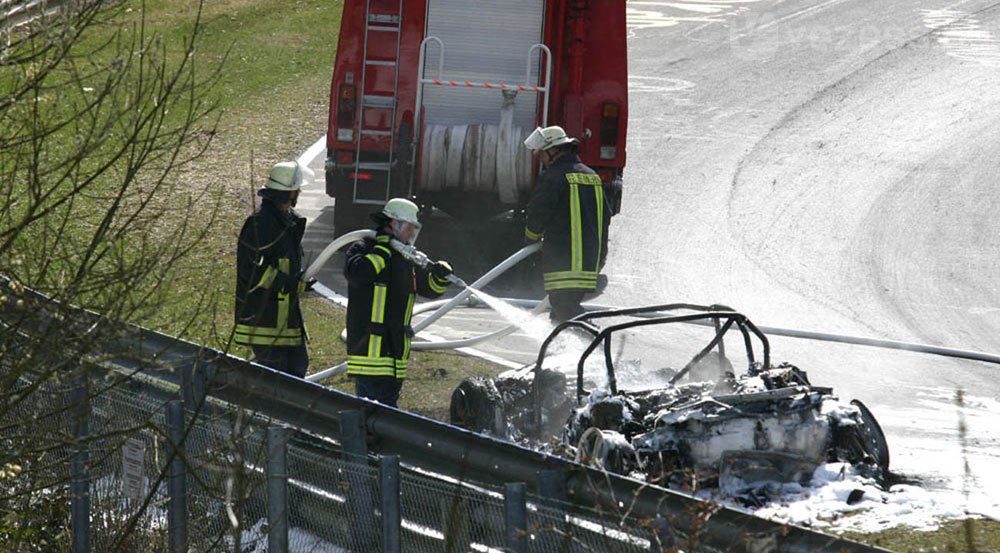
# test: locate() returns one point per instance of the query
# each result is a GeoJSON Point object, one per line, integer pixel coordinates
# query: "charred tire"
{"type": "Point", "coordinates": [606, 449]}
{"type": "Point", "coordinates": [872, 438]}
{"type": "Point", "coordinates": [475, 405]}
{"type": "Point", "coordinates": [555, 402]}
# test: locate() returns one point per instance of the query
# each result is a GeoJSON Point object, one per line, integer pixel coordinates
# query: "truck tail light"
{"type": "Point", "coordinates": [346, 110]}
{"type": "Point", "coordinates": [610, 117]}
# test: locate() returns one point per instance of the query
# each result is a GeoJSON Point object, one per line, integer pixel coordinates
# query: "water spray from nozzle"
{"type": "Point", "coordinates": [420, 259]}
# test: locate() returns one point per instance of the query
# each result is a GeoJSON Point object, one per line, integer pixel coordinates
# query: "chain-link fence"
{"type": "Point", "coordinates": [150, 473]}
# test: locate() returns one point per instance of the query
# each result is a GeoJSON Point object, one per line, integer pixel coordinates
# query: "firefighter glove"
{"type": "Point", "coordinates": [283, 283]}
{"type": "Point", "coordinates": [305, 284]}
{"type": "Point", "coordinates": [440, 269]}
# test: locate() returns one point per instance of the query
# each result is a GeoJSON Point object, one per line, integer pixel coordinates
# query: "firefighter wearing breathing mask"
{"type": "Point", "coordinates": [382, 285]}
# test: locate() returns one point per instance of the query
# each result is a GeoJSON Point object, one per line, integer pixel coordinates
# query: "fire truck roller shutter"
{"type": "Point", "coordinates": [485, 41]}
{"type": "Point", "coordinates": [462, 144]}
{"type": "Point", "coordinates": [476, 158]}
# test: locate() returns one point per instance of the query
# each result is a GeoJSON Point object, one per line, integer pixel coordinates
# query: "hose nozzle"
{"type": "Point", "coordinates": [411, 253]}
{"type": "Point", "coordinates": [420, 259]}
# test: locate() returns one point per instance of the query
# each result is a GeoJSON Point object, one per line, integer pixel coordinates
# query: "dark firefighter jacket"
{"type": "Point", "coordinates": [568, 208]}
{"type": "Point", "coordinates": [268, 285]}
{"type": "Point", "coordinates": [381, 288]}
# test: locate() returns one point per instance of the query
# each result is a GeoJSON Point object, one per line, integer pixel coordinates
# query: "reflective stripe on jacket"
{"type": "Point", "coordinates": [382, 286]}
{"type": "Point", "coordinates": [568, 208]}
{"type": "Point", "coordinates": [268, 263]}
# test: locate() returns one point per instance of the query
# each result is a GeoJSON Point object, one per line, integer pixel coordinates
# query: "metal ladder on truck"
{"type": "Point", "coordinates": [366, 171]}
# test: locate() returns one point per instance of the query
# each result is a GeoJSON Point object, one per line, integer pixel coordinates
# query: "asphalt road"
{"type": "Point", "coordinates": [824, 165]}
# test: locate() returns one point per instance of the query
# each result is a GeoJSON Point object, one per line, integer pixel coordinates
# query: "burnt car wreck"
{"type": "Point", "coordinates": [701, 425]}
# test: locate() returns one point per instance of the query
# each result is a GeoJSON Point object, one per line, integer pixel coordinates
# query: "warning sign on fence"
{"type": "Point", "coordinates": [133, 469]}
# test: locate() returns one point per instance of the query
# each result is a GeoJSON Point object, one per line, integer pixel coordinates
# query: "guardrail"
{"type": "Point", "coordinates": [450, 454]}
{"type": "Point", "coordinates": [14, 13]}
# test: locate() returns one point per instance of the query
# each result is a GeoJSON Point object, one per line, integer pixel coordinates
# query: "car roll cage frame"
{"type": "Point", "coordinates": [722, 317]}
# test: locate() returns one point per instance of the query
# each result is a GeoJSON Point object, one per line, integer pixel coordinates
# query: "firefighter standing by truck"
{"type": "Point", "coordinates": [567, 208]}
{"type": "Point", "coordinates": [382, 285]}
{"type": "Point", "coordinates": [269, 274]}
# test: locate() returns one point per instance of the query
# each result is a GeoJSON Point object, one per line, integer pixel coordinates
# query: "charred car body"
{"type": "Point", "coordinates": [705, 423]}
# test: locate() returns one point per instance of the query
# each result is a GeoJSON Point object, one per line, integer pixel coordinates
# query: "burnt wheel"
{"type": "Point", "coordinates": [475, 405]}
{"type": "Point", "coordinates": [872, 439]}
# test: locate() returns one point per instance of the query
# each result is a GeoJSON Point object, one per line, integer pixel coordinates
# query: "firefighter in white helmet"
{"type": "Point", "coordinates": [269, 274]}
{"type": "Point", "coordinates": [382, 285]}
{"type": "Point", "coordinates": [569, 210]}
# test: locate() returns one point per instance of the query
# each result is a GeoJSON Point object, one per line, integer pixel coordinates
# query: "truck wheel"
{"type": "Point", "coordinates": [475, 405]}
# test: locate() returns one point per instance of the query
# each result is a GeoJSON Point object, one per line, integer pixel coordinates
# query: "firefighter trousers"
{"type": "Point", "coordinates": [565, 304]}
{"type": "Point", "coordinates": [293, 360]}
{"type": "Point", "coordinates": [383, 389]}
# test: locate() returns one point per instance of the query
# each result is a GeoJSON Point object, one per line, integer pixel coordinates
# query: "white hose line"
{"type": "Point", "coordinates": [327, 373]}
{"type": "Point", "coordinates": [332, 248]}
{"type": "Point", "coordinates": [467, 342]}
{"type": "Point", "coordinates": [540, 306]}
{"type": "Point", "coordinates": [478, 284]}
{"type": "Point", "coordinates": [816, 336]}
{"type": "Point", "coordinates": [445, 305]}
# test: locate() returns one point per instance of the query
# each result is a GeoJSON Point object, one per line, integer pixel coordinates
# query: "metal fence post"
{"type": "Point", "coordinates": [515, 510]}
{"type": "Point", "coordinates": [391, 519]}
{"type": "Point", "coordinates": [176, 479]}
{"type": "Point", "coordinates": [80, 479]}
{"type": "Point", "coordinates": [560, 536]}
{"type": "Point", "coordinates": [361, 492]}
{"type": "Point", "coordinates": [353, 435]}
{"type": "Point", "coordinates": [663, 538]}
{"type": "Point", "coordinates": [194, 386]}
{"type": "Point", "coordinates": [277, 489]}
{"type": "Point", "coordinates": [456, 523]}
{"type": "Point", "coordinates": [552, 485]}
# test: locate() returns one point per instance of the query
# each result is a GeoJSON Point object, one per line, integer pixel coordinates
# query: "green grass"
{"type": "Point", "coordinates": [980, 536]}
{"type": "Point", "coordinates": [272, 97]}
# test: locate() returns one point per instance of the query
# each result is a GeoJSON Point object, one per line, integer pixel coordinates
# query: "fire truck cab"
{"type": "Point", "coordinates": [432, 99]}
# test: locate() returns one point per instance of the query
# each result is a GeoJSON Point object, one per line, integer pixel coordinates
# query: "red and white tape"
{"type": "Point", "coordinates": [501, 86]}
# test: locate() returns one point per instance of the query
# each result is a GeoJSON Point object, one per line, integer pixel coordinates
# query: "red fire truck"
{"type": "Point", "coordinates": [432, 99]}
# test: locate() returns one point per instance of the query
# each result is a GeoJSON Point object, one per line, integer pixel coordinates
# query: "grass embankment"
{"type": "Point", "coordinates": [273, 98]}
{"type": "Point", "coordinates": [956, 536]}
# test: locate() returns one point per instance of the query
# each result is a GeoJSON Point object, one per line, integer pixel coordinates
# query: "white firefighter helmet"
{"type": "Point", "coordinates": [549, 137]}
{"type": "Point", "coordinates": [402, 209]}
{"type": "Point", "coordinates": [288, 176]}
